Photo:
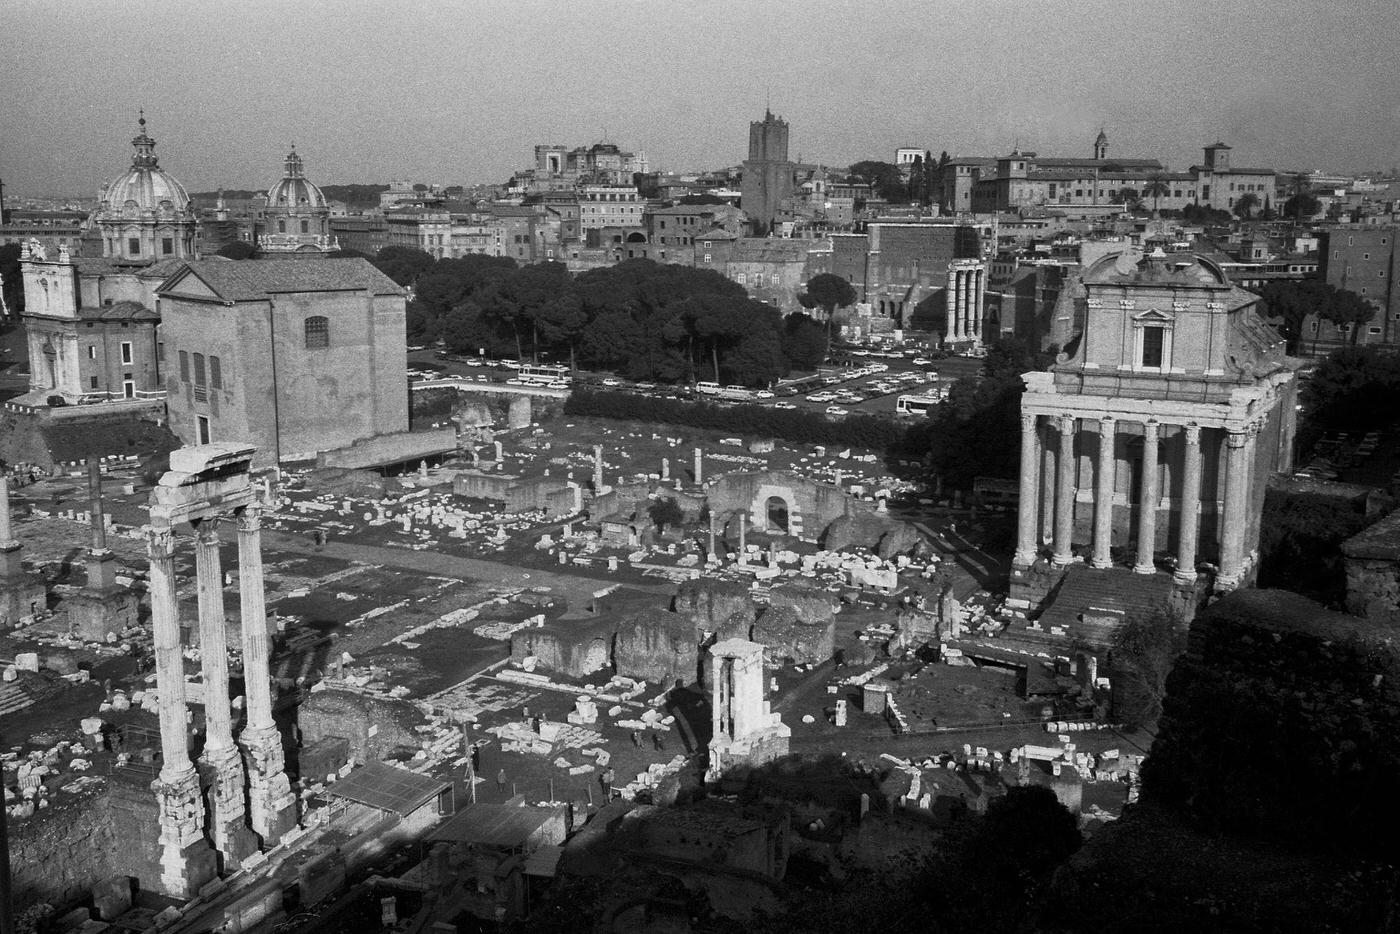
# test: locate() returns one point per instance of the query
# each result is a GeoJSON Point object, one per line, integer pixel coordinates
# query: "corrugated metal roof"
{"type": "Point", "coordinates": [386, 787]}
{"type": "Point", "coordinates": [499, 825]}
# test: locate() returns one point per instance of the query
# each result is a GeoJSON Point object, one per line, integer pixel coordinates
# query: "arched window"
{"type": "Point", "coordinates": [318, 332]}
{"type": "Point", "coordinates": [777, 510]}
{"type": "Point", "coordinates": [281, 226]}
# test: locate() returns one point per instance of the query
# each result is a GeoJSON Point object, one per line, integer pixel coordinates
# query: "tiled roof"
{"type": "Point", "coordinates": [253, 280]}
{"type": "Point", "coordinates": [119, 311]}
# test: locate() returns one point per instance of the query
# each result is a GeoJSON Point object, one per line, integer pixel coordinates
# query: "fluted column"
{"type": "Point", "coordinates": [1189, 529]}
{"type": "Point", "coordinates": [213, 640]}
{"type": "Point", "coordinates": [1030, 478]}
{"type": "Point", "coordinates": [170, 663]}
{"type": "Point", "coordinates": [186, 862]}
{"type": "Point", "coordinates": [1233, 522]}
{"type": "Point", "coordinates": [978, 290]}
{"type": "Point", "coordinates": [1046, 533]}
{"type": "Point", "coordinates": [7, 534]}
{"type": "Point", "coordinates": [271, 804]}
{"type": "Point", "coordinates": [221, 757]}
{"type": "Point", "coordinates": [1064, 494]}
{"type": "Point", "coordinates": [952, 305]}
{"type": "Point", "coordinates": [1103, 496]}
{"type": "Point", "coordinates": [1151, 497]}
{"type": "Point", "coordinates": [966, 323]}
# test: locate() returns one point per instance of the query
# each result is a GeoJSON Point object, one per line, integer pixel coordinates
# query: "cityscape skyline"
{"type": "Point", "coordinates": [1327, 111]}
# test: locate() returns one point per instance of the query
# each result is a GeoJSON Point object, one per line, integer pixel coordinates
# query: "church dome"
{"type": "Point", "coordinates": [145, 187]}
{"type": "Point", "coordinates": [295, 191]}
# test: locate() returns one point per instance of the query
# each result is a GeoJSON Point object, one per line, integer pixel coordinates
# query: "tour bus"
{"type": "Point", "coordinates": [916, 404]}
{"type": "Point", "coordinates": [708, 389]}
{"type": "Point", "coordinates": [538, 374]}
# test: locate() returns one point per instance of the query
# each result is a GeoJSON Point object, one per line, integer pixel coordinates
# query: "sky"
{"type": "Point", "coordinates": [460, 91]}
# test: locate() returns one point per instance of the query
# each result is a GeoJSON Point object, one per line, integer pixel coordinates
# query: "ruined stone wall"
{"type": "Point", "coordinates": [482, 485]}
{"type": "Point", "coordinates": [61, 852]}
{"type": "Point", "coordinates": [713, 604]}
{"type": "Point", "coordinates": [1373, 589]}
{"type": "Point", "coordinates": [373, 726]}
{"type": "Point", "coordinates": [658, 646]}
{"type": "Point", "coordinates": [811, 506]}
{"type": "Point", "coordinates": [786, 635]}
{"type": "Point", "coordinates": [576, 647]}
{"type": "Point", "coordinates": [1282, 721]}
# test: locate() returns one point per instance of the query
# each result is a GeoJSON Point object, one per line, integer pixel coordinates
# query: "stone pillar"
{"type": "Point", "coordinates": [978, 291]}
{"type": "Point", "coordinates": [952, 305]}
{"type": "Point", "coordinates": [221, 759]}
{"type": "Point", "coordinates": [1103, 495]}
{"type": "Point", "coordinates": [1046, 534]}
{"type": "Point", "coordinates": [699, 465]}
{"type": "Point", "coordinates": [7, 531]}
{"type": "Point", "coordinates": [597, 468]}
{"type": "Point", "coordinates": [665, 469]}
{"type": "Point", "coordinates": [1030, 477]}
{"type": "Point", "coordinates": [1064, 494]}
{"type": "Point", "coordinates": [743, 534]}
{"type": "Point", "coordinates": [186, 859]}
{"type": "Point", "coordinates": [1189, 529]}
{"type": "Point", "coordinates": [964, 328]}
{"type": "Point", "coordinates": [271, 804]}
{"type": "Point", "coordinates": [1233, 523]}
{"type": "Point", "coordinates": [1150, 498]}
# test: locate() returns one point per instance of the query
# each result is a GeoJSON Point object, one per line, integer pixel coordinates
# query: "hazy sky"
{"type": "Point", "coordinates": [460, 92]}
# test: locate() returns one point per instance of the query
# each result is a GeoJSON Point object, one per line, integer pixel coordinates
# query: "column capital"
{"type": "Point", "coordinates": [1067, 422]}
{"type": "Point", "coordinates": [1151, 426]}
{"type": "Point", "coordinates": [1237, 439]}
{"type": "Point", "coordinates": [249, 518]}
{"type": "Point", "coordinates": [1028, 420]}
{"type": "Point", "coordinates": [160, 542]}
{"type": "Point", "coordinates": [207, 530]}
{"type": "Point", "coordinates": [1107, 421]}
{"type": "Point", "coordinates": [1193, 433]}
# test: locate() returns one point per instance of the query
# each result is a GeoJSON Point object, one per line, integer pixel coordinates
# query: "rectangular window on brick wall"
{"type": "Point", "coordinates": [216, 377]}
{"type": "Point", "coordinates": [184, 366]}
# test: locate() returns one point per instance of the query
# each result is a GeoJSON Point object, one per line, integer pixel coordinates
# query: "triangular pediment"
{"type": "Point", "coordinates": [1154, 315]}
{"type": "Point", "coordinates": [185, 284]}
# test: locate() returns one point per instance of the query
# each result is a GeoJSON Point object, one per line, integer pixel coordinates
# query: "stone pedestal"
{"type": "Point", "coordinates": [272, 807]}
{"type": "Point", "coordinates": [93, 613]}
{"type": "Point", "coordinates": [187, 862]}
{"type": "Point", "coordinates": [221, 775]}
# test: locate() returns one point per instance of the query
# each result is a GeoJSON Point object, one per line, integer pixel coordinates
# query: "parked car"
{"type": "Point", "coordinates": [763, 394]}
{"type": "Point", "coordinates": [836, 410]}
{"type": "Point", "coordinates": [612, 382]}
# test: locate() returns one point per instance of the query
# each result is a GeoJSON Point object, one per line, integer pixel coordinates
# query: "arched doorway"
{"type": "Point", "coordinates": [777, 513]}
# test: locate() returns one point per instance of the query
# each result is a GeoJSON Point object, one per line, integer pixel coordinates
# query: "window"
{"type": "Point", "coordinates": [92, 352]}
{"type": "Point", "coordinates": [739, 278]}
{"type": "Point", "coordinates": [306, 227]}
{"type": "Point", "coordinates": [216, 377]}
{"type": "Point", "coordinates": [92, 382]}
{"type": "Point", "coordinates": [199, 370]}
{"type": "Point", "coordinates": [128, 389]}
{"type": "Point", "coordinates": [707, 257]}
{"type": "Point", "coordinates": [167, 246]}
{"type": "Point", "coordinates": [281, 226]}
{"type": "Point", "coordinates": [318, 332]}
{"type": "Point", "coordinates": [774, 278]}
{"type": "Point", "coordinates": [133, 246]}
{"type": "Point", "coordinates": [126, 351]}
{"type": "Point", "coordinates": [203, 422]}
{"type": "Point", "coordinates": [1373, 330]}
{"type": "Point", "coordinates": [1153, 342]}
{"type": "Point", "coordinates": [160, 351]}
{"type": "Point", "coordinates": [184, 366]}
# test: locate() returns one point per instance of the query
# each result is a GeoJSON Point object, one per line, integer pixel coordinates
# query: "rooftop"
{"type": "Point", "coordinates": [254, 280]}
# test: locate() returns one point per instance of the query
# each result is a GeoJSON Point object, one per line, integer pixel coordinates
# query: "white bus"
{"type": "Point", "coordinates": [735, 394]}
{"type": "Point", "coordinates": [916, 404]}
{"type": "Point", "coordinates": [540, 374]}
{"type": "Point", "coordinates": [708, 389]}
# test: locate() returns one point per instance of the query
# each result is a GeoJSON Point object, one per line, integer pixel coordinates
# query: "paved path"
{"type": "Point", "coordinates": [496, 573]}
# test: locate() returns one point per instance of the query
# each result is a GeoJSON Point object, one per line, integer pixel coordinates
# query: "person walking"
{"type": "Point", "coordinates": [657, 741]}
{"type": "Point", "coordinates": [636, 739]}
{"type": "Point", "coordinates": [606, 780]}
{"type": "Point", "coordinates": [501, 781]}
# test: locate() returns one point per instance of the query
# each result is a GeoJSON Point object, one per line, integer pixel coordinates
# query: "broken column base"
{"type": "Point", "coordinates": [92, 614]}
{"type": "Point", "coordinates": [222, 779]}
{"type": "Point", "coordinates": [757, 748]}
{"type": "Point", "coordinates": [272, 808]}
{"type": "Point", "coordinates": [187, 861]}
{"type": "Point", "coordinates": [21, 597]}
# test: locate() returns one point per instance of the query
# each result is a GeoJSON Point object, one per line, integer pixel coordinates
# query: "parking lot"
{"type": "Point", "coordinates": [871, 384]}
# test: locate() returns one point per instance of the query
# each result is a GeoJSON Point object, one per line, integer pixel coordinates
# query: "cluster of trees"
{"type": "Point", "coordinates": [803, 427]}
{"type": "Point", "coordinates": [1291, 301]}
{"type": "Point", "coordinates": [9, 273]}
{"type": "Point", "coordinates": [976, 431]}
{"type": "Point", "coordinates": [643, 319]}
{"type": "Point", "coordinates": [888, 182]}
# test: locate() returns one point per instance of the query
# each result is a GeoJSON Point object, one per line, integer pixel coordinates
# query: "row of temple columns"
{"type": "Point", "coordinates": [966, 292]}
{"type": "Point", "coordinates": [1048, 487]}
{"type": "Point", "coordinates": [270, 809]}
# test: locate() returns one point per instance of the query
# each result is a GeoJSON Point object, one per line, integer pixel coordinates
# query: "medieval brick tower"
{"type": "Point", "coordinates": [767, 171]}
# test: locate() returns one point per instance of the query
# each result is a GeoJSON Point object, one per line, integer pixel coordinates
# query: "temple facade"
{"type": "Point", "coordinates": [1149, 443]}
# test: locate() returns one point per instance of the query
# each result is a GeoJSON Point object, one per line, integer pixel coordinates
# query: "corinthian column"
{"type": "Point", "coordinates": [1189, 530]}
{"type": "Point", "coordinates": [186, 862]}
{"type": "Point", "coordinates": [1103, 496]}
{"type": "Point", "coordinates": [1030, 477]}
{"type": "Point", "coordinates": [221, 756]}
{"type": "Point", "coordinates": [1232, 528]}
{"type": "Point", "coordinates": [1150, 497]}
{"type": "Point", "coordinates": [1064, 495]}
{"type": "Point", "coordinates": [271, 804]}
{"type": "Point", "coordinates": [952, 305]}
